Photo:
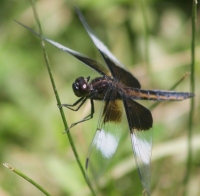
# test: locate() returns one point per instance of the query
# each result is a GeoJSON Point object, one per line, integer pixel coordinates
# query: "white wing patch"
{"type": "Point", "coordinates": [141, 145]}
{"type": "Point", "coordinates": [107, 143]}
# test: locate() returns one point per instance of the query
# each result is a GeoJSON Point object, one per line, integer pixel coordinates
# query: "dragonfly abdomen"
{"type": "Point", "coordinates": [159, 95]}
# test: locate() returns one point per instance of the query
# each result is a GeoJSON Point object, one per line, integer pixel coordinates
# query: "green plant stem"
{"type": "Point", "coordinates": [58, 99]}
{"type": "Point", "coordinates": [26, 178]}
{"type": "Point", "coordinates": [146, 36]}
{"type": "Point", "coordinates": [192, 87]}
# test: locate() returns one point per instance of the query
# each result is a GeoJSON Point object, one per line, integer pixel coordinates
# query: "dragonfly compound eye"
{"type": "Point", "coordinates": [80, 87]}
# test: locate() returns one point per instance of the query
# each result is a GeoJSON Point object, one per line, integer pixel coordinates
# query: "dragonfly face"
{"type": "Point", "coordinates": [117, 89]}
{"type": "Point", "coordinates": [81, 87]}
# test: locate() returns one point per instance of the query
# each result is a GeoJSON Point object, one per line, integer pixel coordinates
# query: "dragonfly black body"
{"type": "Point", "coordinates": [98, 87]}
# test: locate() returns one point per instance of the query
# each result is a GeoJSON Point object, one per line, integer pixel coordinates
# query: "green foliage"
{"type": "Point", "coordinates": [31, 129]}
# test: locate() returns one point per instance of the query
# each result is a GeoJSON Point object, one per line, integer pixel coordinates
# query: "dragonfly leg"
{"type": "Point", "coordinates": [88, 117]}
{"type": "Point", "coordinates": [70, 106]}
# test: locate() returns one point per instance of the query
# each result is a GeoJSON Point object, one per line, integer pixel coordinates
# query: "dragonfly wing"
{"type": "Point", "coordinates": [112, 121]}
{"type": "Point", "coordinates": [140, 121]}
{"type": "Point", "coordinates": [86, 60]}
{"type": "Point", "coordinates": [116, 68]}
{"type": "Point", "coordinates": [142, 147]}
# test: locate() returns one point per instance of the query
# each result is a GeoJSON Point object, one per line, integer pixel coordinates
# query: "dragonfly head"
{"type": "Point", "coordinates": [81, 87]}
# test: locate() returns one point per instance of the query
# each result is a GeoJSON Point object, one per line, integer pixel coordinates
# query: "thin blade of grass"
{"type": "Point", "coordinates": [146, 35]}
{"type": "Point", "coordinates": [58, 99]}
{"type": "Point", "coordinates": [26, 178]}
{"type": "Point", "coordinates": [192, 86]}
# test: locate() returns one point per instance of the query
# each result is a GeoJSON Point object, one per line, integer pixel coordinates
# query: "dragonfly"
{"type": "Point", "coordinates": [118, 89]}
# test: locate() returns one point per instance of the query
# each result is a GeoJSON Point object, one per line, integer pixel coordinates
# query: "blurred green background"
{"type": "Point", "coordinates": [31, 128]}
